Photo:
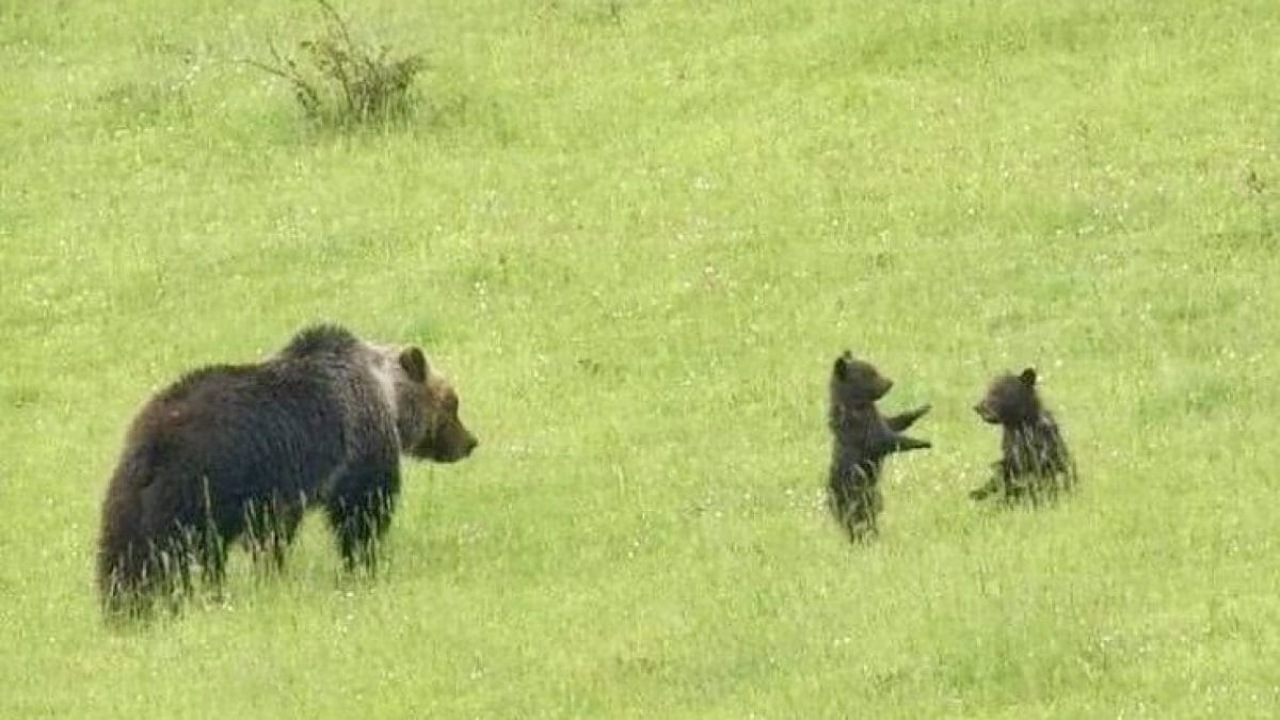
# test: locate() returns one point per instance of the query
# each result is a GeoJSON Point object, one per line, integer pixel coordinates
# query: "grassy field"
{"type": "Point", "coordinates": [636, 234]}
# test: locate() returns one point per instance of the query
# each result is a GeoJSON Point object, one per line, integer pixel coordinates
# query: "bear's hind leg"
{"type": "Point", "coordinates": [856, 503]}
{"type": "Point", "coordinates": [129, 582]}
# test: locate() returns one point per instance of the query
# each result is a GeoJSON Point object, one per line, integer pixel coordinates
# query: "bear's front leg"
{"type": "Point", "coordinates": [902, 443]}
{"type": "Point", "coordinates": [359, 522]}
{"type": "Point", "coordinates": [902, 421]}
{"type": "Point", "coordinates": [994, 485]}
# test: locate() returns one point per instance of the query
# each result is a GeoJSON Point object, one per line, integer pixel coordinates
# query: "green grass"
{"type": "Point", "coordinates": [636, 235]}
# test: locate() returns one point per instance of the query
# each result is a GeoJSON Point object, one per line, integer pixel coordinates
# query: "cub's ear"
{"type": "Point", "coordinates": [842, 365]}
{"type": "Point", "coordinates": [414, 363]}
{"type": "Point", "coordinates": [1028, 377]}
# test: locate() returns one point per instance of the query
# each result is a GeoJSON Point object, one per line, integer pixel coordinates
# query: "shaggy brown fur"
{"type": "Point", "coordinates": [862, 438]}
{"type": "Point", "coordinates": [233, 451]}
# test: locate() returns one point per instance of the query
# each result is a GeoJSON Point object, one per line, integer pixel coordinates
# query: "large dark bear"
{"type": "Point", "coordinates": [862, 438]}
{"type": "Point", "coordinates": [1034, 464]}
{"type": "Point", "coordinates": [234, 451]}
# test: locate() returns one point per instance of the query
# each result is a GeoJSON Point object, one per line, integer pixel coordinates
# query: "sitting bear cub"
{"type": "Point", "coordinates": [1034, 464]}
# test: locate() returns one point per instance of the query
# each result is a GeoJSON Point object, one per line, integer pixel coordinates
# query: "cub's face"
{"type": "Point", "coordinates": [856, 381]}
{"type": "Point", "coordinates": [427, 411]}
{"type": "Point", "coordinates": [1010, 399]}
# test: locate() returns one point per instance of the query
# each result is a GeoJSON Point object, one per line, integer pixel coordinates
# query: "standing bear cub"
{"type": "Point", "coordinates": [233, 451]}
{"type": "Point", "coordinates": [1034, 463]}
{"type": "Point", "coordinates": [862, 438]}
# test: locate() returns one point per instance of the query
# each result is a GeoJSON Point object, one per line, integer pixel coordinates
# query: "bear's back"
{"type": "Point", "coordinates": [230, 424]}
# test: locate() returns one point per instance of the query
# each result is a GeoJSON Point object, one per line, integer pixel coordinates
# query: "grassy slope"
{"type": "Point", "coordinates": [636, 247]}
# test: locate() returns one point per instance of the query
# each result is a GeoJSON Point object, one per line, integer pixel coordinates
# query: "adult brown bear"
{"type": "Point", "coordinates": [233, 451]}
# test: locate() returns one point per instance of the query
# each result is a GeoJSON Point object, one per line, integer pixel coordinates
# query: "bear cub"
{"type": "Point", "coordinates": [242, 451]}
{"type": "Point", "coordinates": [862, 438]}
{"type": "Point", "coordinates": [1034, 464]}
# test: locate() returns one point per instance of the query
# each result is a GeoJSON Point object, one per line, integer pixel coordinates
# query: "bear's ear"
{"type": "Point", "coordinates": [842, 365]}
{"type": "Point", "coordinates": [1028, 377]}
{"type": "Point", "coordinates": [414, 363]}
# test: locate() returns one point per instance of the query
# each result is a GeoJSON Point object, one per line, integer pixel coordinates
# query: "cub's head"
{"type": "Point", "coordinates": [856, 382]}
{"type": "Point", "coordinates": [1010, 400]}
{"type": "Point", "coordinates": [426, 409]}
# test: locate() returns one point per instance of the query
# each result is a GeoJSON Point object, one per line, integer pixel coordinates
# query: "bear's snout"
{"type": "Point", "coordinates": [986, 413]}
{"type": "Point", "coordinates": [469, 445]}
{"type": "Point", "coordinates": [450, 444]}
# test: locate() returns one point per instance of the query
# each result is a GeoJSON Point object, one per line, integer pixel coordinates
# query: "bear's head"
{"type": "Point", "coordinates": [1010, 400]}
{"type": "Point", "coordinates": [426, 410]}
{"type": "Point", "coordinates": [856, 382]}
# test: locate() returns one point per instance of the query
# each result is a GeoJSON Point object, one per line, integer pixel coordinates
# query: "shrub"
{"type": "Point", "coordinates": [341, 82]}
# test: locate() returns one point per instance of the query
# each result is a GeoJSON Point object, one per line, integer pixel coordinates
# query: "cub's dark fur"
{"type": "Point", "coordinates": [1034, 464]}
{"type": "Point", "coordinates": [233, 451]}
{"type": "Point", "coordinates": [862, 438]}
